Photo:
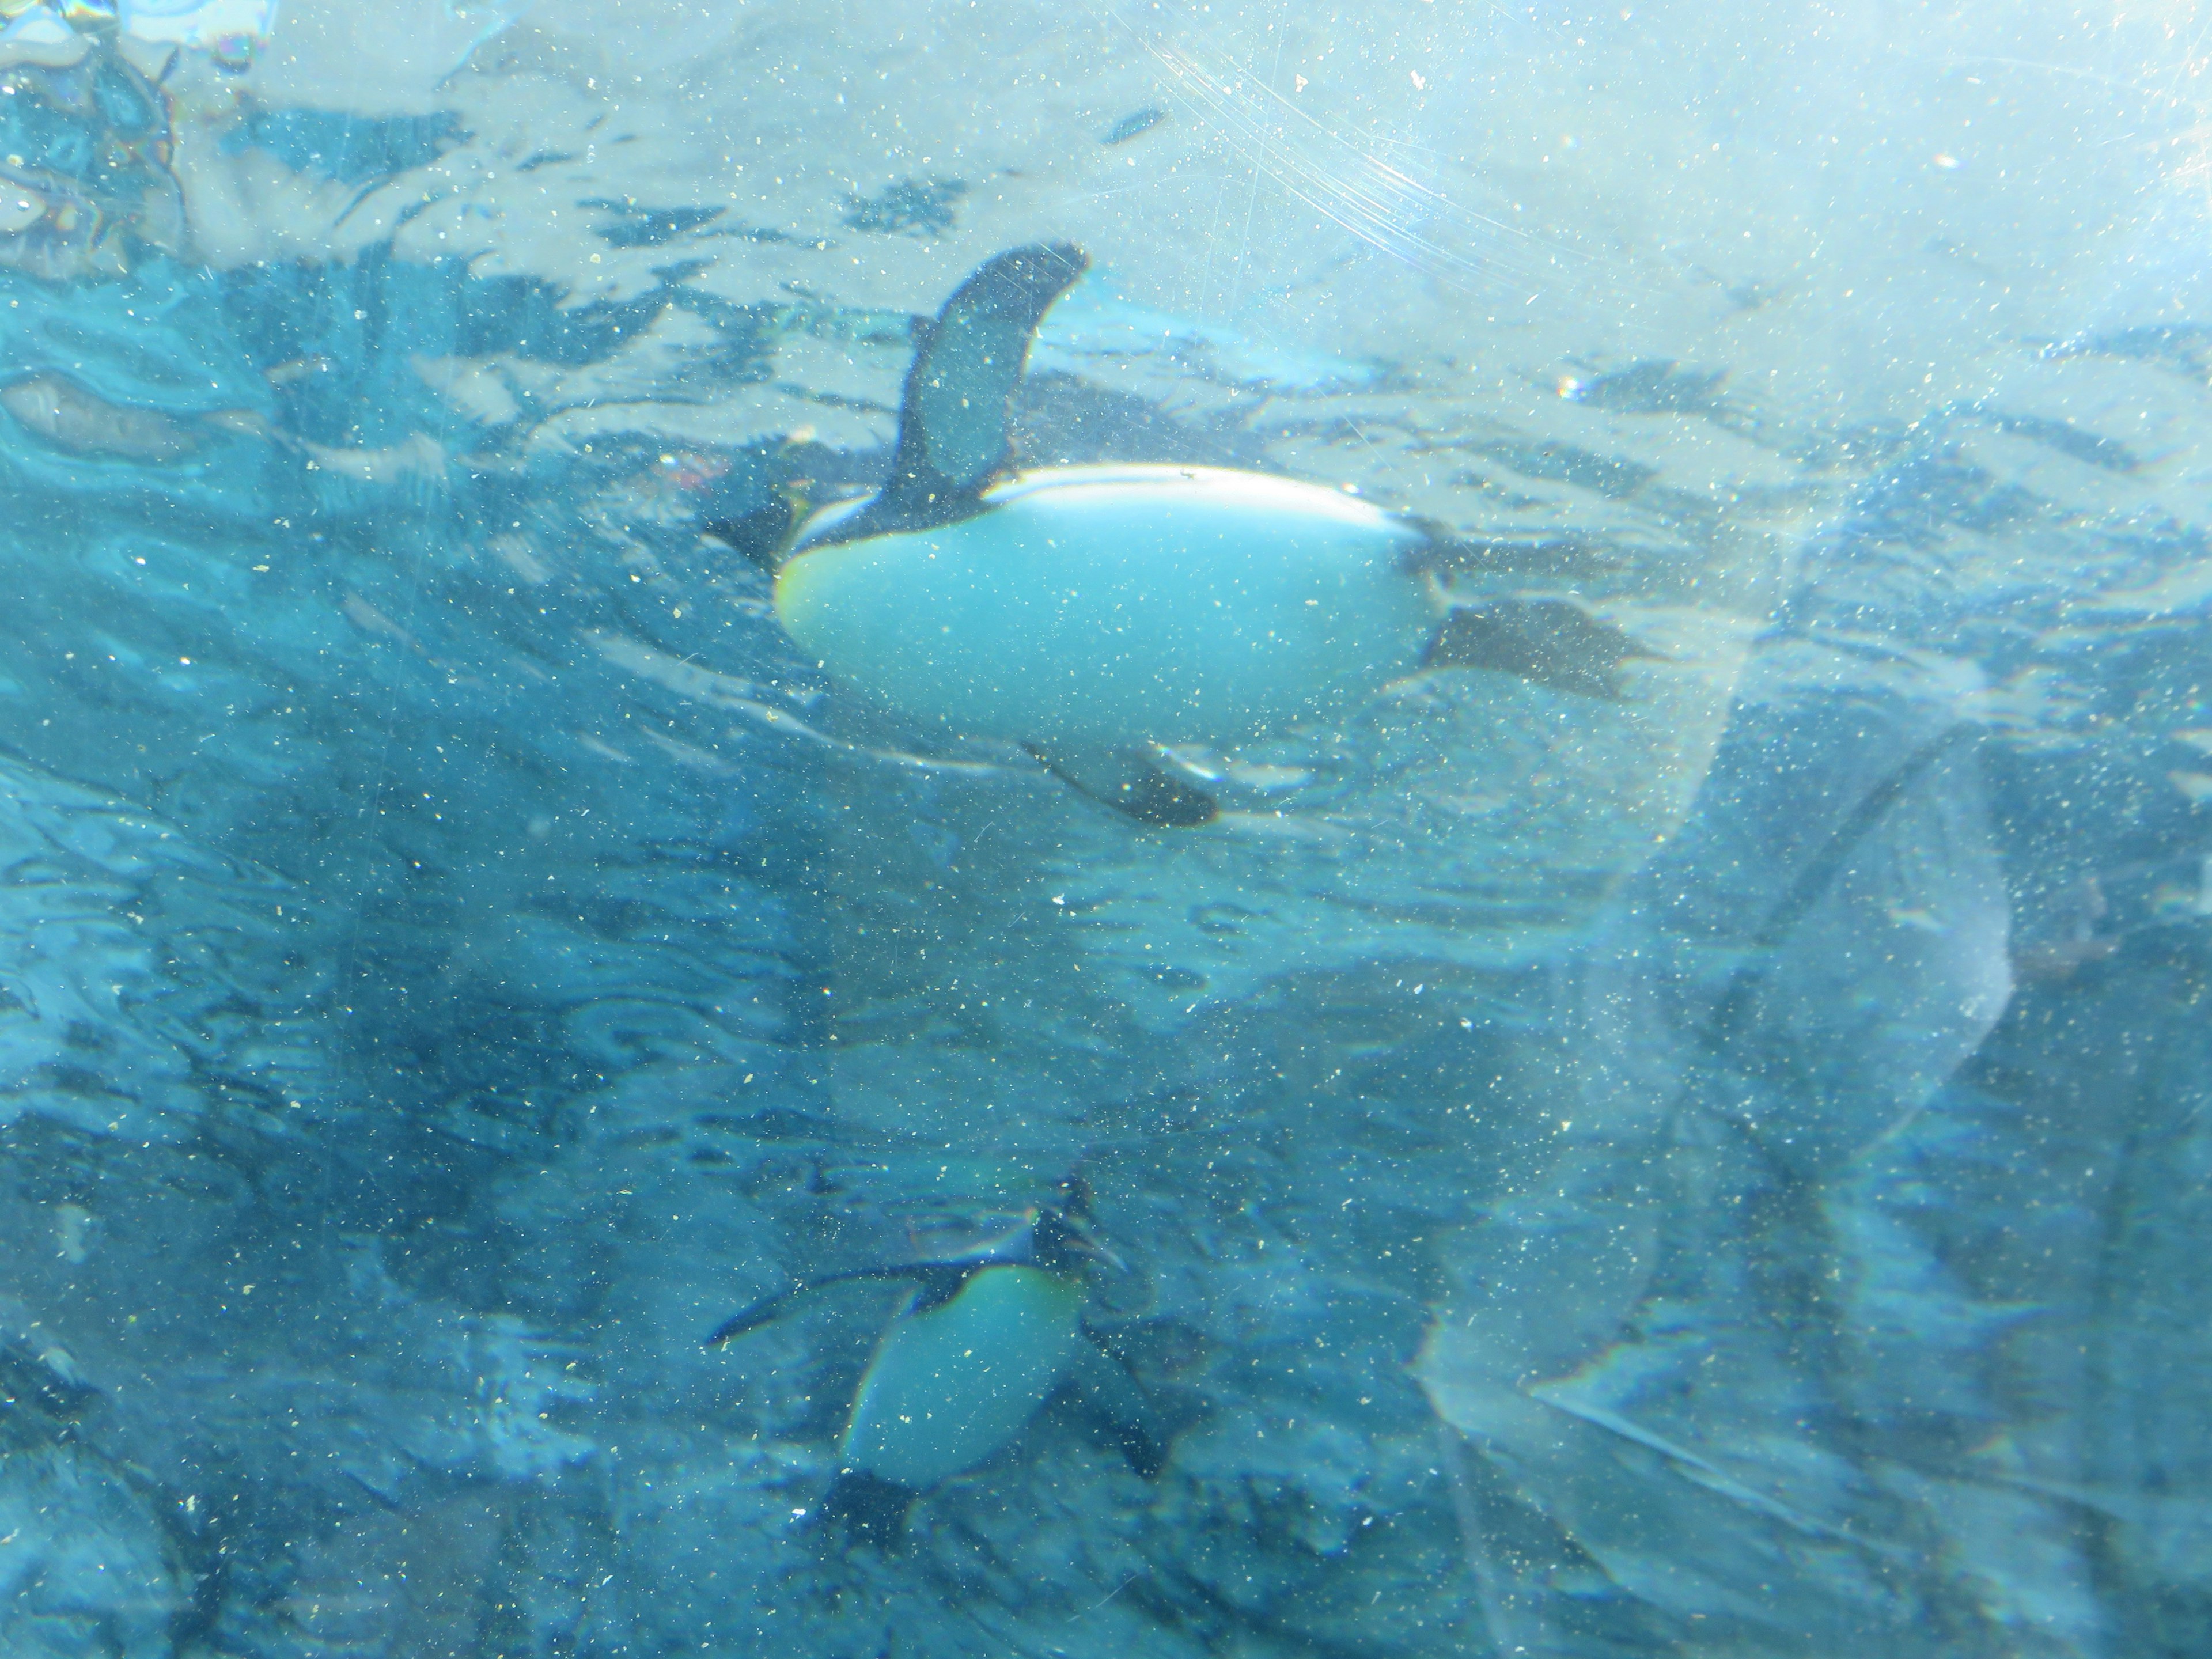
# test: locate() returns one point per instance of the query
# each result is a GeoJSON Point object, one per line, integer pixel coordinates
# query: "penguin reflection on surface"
{"type": "Point", "coordinates": [1101, 614]}
{"type": "Point", "coordinates": [984, 1336]}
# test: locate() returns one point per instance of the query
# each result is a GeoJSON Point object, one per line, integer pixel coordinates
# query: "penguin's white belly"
{"type": "Point", "coordinates": [948, 1388]}
{"type": "Point", "coordinates": [1103, 605]}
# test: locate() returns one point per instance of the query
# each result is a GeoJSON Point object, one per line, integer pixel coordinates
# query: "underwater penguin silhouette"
{"type": "Point", "coordinates": [983, 1338]}
{"type": "Point", "coordinates": [1098, 614]}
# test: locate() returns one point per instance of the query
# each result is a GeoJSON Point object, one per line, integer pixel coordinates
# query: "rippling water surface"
{"type": "Point", "coordinates": [1704, 1159]}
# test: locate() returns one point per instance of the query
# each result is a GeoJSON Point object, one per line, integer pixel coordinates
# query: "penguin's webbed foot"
{"type": "Point", "coordinates": [1551, 642]}
{"type": "Point", "coordinates": [865, 1509]}
{"type": "Point", "coordinates": [1132, 782]}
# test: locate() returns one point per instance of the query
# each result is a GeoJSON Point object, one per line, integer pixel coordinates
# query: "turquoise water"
{"type": "Point", "coordinates": [1684, 1137]}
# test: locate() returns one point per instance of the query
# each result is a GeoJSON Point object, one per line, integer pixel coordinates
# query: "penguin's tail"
{"type": "Point", "coordinates": [1131, 780]}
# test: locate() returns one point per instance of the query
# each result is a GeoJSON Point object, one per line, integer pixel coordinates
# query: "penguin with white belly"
{"type": "Point", "coordinates": [1100, 615]}
{"type": "Point", "coordinates": [984, 1337]}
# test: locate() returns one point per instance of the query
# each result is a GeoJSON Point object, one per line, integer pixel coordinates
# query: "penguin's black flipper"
{"type": "Point", "coordinates": [954, 419]}
{"type": "Point", "coordinates": [1547, 641]}
{"type": "Point", "coordinates": [770, 1308]}
{"type": "Point", "coordinates": [1131, 782]}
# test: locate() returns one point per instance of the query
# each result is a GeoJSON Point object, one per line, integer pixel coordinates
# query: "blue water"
{"type": "Point", "coordinates": [1716, 1168]}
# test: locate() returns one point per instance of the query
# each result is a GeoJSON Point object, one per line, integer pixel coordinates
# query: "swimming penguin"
{"type": "Point", "coordinates": [983, 1339]}
{"type": "Point", "coordinates": [1098, 615]}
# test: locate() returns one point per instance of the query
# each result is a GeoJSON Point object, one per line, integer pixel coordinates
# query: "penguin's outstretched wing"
{"type": "Point", "coordinates": [954, 418]}
{"type": "Point", "coordinates": [938, 1283]}
{"type": "Point", "coordinates": [937, 1279]}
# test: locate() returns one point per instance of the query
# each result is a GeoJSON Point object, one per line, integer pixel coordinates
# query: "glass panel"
{"type": "Point", "coordinates": [931, 829]}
